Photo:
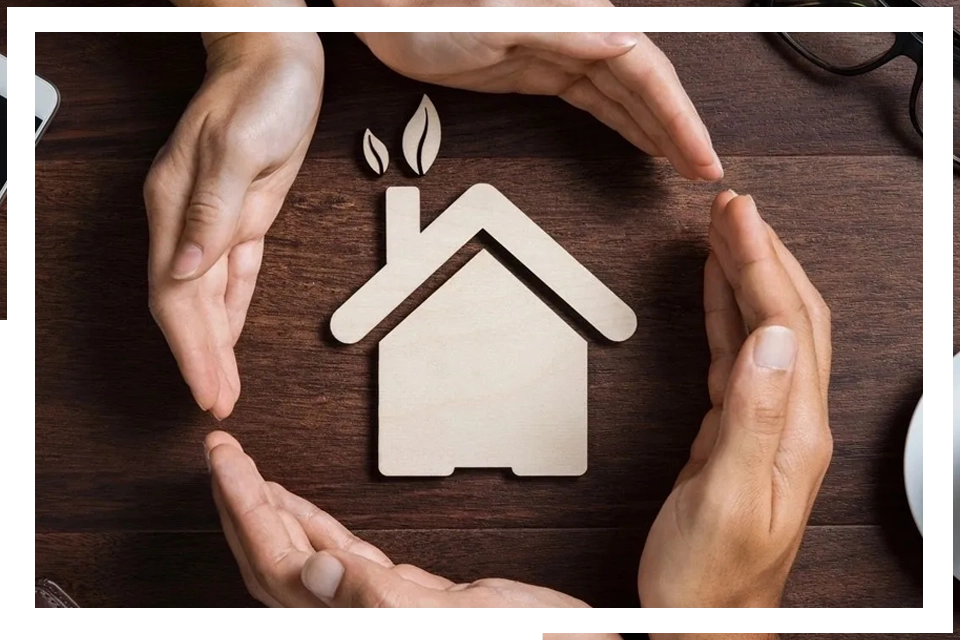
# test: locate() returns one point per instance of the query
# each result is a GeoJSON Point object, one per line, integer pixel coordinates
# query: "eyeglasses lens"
{"type": "Point", "coordinates": [845, 50]}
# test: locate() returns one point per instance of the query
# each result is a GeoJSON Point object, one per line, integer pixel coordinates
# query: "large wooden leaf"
{"type": "Point", "coordinates": [375, 153]}
{"type": "Point", "coordinates": [421, 137]}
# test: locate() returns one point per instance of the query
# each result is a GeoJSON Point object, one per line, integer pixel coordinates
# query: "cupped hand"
{"type": "Point", "coordinates": [623, 79]}
{"type": "Point", "coordinates": [730, 530]}
{"type": "Point", "coordinates": [214, 190]}
{"type": "Point", "coordinates": [292, 554]}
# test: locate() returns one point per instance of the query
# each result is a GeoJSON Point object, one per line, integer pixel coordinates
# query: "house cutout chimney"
{"type": "Point", "coordinates": [403, 221]}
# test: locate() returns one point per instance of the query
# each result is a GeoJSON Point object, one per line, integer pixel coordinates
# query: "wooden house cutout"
{"type": "Point", "coordinates": [483, 373]}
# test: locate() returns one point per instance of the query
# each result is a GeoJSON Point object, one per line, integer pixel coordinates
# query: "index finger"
{"type": "Point", "coordinates": [325, 531]}
{"type": "Point", "coordinates": [765, 292]}
{"type": "Point", "coordinates": [274, 558]}
{"type": "Point", "coordinates": [817, 309]}
{"type": "Point", "coordinates": [166, 194]}
{"type": "Point", "coordinates": [646, 71]}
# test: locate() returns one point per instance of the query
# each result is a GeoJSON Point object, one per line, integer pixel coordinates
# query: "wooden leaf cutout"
{"type": "Point", "coordinates": [421, 137]}
{"type": "Point", "coordinates": [375, 153]}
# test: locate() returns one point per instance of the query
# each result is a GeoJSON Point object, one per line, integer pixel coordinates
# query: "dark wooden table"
{"type": "Point", "coordinates": [123, 513]}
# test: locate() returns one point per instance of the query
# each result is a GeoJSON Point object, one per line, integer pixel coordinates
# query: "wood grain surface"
{"type": "Point", "coordinates": [122, 502]}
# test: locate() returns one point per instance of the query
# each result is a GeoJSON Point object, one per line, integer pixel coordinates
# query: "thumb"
{"type": "Point", "coordinates": [582, 46]}
{"type": "Point", "coordinates": [341, 579]}
{"type": "Point", "coordinates": [212, 215]}
{"type": "Point", "coordinates": [755, 406]}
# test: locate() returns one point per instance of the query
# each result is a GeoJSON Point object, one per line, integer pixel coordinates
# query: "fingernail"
{"type": "Point", "coordinates": [321, 575]}
{"type": "Point", "coordinates": [187, 260]}
{"type": "Point", "coordinates": [735, 194]}
{"type": "Point", "coordinates": [206, 456]}
{"type": "Point", "coordinates": [775, 348]}
{"type": "Point", "coordinates": [621, 39]}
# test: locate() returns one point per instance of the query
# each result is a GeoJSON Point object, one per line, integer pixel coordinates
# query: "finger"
{"type": "Point", "coordinates": [609, 85]}
{"type": "Point", "coordinates": [244, 265]}
{"type": "Point", "coordinates": [765, 292]}
{"type": "Point", "coordinates": [702, 447]}
{"type": "Point", "coordinates": [647, 72]}
{"type": "Point", "coordinates": [172, 304]}
{"type": "Point", "coordinates": [579, 46]}
{"type": "Point", "coordinates": [766, 295]}
{"type": "Point", "coordinates": [724, 325]}
{"type": "Point", "coordinates": [274, 558]}
{"type": "Point", "coordinates": [215, 438]}
{"type": "Point", "coordinates": [213, 212]}
{"type": "Point", "coordinates": [246, 572]}
{"type": "Point", "coordinates": [423, 578]}
{"type": "Point", "coordinates": [342, 579]}
{"type": "Point", "coordinates": [323, 530]}
{"type": "Point", "coordinates": [583, 94]}
{"type": "Point", "coordinates": [194, 321]}
{"type": "Point", "coordinates": [185, 326]}
{"type": "Point", "coordinates": [297, 535]}
{"type": "Point", "coordinates": [166, 193]}
{"type": "Point", "coordinates": [755, 409]}
{"type": "Point", "coordinates": [817, 309]}
{"type": "Point", "coordinates": [212, 440]}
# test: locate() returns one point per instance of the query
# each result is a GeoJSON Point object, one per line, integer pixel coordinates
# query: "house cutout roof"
{"type": "Point", "coordinates": [482, 207]}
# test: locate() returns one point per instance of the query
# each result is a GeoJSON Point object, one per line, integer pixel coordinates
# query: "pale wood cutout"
{"type": "Point", "coordinates": [421, 137]}
{"type": "Point", "coordinates": [375, 153]}
{"type": "Point", "coordinates": [483, 373]}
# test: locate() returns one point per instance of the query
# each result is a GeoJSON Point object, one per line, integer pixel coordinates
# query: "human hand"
{"type": "Point", "coordinates": [623, 79]}
{"type": "Point", "coordinates": [216, 187]}
{"type": "Point", "coordinates": [729, 531]}
{"type": "Point", "coordinates": [292, 554]}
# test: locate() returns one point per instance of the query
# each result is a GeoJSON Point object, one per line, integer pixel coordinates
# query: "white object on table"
{"type": "Point", "coordinates": [913, 466]}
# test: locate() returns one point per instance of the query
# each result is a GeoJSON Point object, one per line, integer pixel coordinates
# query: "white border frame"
{"type": "Point", "coordinates": [936, 616]}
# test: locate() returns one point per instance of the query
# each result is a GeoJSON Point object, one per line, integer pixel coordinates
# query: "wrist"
{"type": "Point", "coordinates": [240, 43]}
{"type": "Point", "coordinates": [229, 49]}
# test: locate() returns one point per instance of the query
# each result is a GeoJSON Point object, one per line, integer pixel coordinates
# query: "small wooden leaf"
{"type": "Point", "coordinates": [376, 153]}
{"type": "Point", "coordinates": [421, 137]}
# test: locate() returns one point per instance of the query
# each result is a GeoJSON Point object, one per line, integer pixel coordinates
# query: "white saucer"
{"type": "Point", "coordinates": [913, 465]}
{"type": "Point", "coordinates": [956, 469]}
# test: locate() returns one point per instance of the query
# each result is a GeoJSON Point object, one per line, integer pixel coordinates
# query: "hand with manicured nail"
{"type": "Point", "coordinates": [622, 79]}
{"type": "Point", "coordinates": [729, 531]}
{"type": "Point", "coordinates": [292, 554]}
{"type": "Point", "coordinates": [214, 190]}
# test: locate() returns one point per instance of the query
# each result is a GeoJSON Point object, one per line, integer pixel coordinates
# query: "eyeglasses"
{"type": "Point", "coordinates": [956, 93]}
{"type": "Point", "coordinates": [853, 54]}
